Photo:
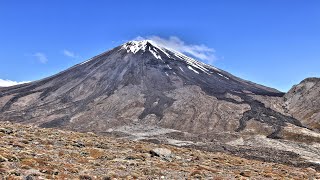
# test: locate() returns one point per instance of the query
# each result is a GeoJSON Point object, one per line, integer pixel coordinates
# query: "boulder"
{"type": "Point", "coordinates": [163, 153]}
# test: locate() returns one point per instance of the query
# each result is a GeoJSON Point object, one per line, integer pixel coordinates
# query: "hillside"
{"type": "Point", "coordinates": [35, 153]}
{"type": "Point", "coordinates": [303, 102]}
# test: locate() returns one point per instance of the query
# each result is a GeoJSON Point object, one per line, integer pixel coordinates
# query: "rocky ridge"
{"type": "Point", "coordinates": [303, 102]}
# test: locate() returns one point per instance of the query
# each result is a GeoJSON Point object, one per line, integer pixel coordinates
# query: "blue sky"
{"type": "Point", "coordinates": [271, 42]}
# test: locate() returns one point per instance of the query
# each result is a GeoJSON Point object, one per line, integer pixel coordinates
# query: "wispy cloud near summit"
{"type": "Point", "coordinates": [199, 51]}
{"type": "Point", "coordinates": [69, 54]}
{"type": "Point", "coordinates": [42, 58]}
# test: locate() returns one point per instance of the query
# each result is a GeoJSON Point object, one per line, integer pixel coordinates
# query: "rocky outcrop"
{"type": "Point", "coordinates": [303, 102]}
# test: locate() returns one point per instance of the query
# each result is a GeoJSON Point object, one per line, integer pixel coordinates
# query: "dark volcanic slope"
{"type": "Point", "coordinates": [140, 82]}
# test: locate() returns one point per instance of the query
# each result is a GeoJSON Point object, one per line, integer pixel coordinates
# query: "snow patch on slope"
{"type": "Point", "coordinates": [223, 76]}
{"type": "Point", "coordinates": [86, 61]}
{"type": "Point", "coordinates": [193, 69]}
{"type": "Point", "coordinates": [192, 62]}
{"type": "Point", "coordinates": [155, 54]}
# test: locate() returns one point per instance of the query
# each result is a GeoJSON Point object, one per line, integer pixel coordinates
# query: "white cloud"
{"type": "Point", "coordinates": [69, 54]}
{"type": "Point", "coordinates": [199, 51]}
{"type": "Point", "coordinates": [6, 83]}
{"type": "Point", "coordinates": [41, 57]}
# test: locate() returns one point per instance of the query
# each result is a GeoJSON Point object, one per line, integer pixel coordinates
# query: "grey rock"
{"type": "Point", "coordinates": [6, 131]}
{"type": "Point", "coordinates": [29, 177]}
{"type": "Point", "coordinates": [3, 159]}
{"type": "Point", "coordinates": [78, 144]}
{"type": "Point", "coordinates": [163, 153]}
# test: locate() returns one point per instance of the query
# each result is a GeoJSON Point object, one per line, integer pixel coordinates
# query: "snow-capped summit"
{"type": "Point", "coordinates": [145, 45]}
{"type": "Point", "coordinates": [135, 46]}
{"type": "Point", "coordinates": [159, 51]}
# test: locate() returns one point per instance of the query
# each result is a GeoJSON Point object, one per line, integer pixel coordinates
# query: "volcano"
{"type": "Point", "coordinates": [144, 91]}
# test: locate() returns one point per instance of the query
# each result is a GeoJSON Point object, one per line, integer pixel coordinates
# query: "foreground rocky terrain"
{"type": "Point", "coordinates": [28, 152]}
